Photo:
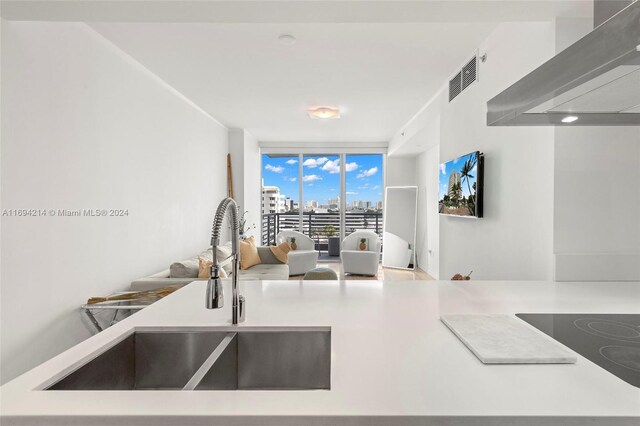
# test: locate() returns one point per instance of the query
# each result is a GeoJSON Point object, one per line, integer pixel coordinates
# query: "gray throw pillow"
{"type": "Point", "coordinates": [184, 269]}
{"type": "Point", "coordinates": [267, 257]}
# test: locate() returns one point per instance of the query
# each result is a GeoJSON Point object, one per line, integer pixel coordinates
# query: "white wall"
{"type": "Point", "coordinates": [571, 192]}
{"type": "Point", "coordinates": [400, 171]}
{"type": "Point", "coordinates": [86, 127]}
{"type": "Point", "coordinates": [253, 183]}
{"type": "Point", "coordinates": [597, 203]}
{"type": "Point", "coordinates": [514, 240]}
{"type": "Point", "coordinates": [428, 237]}
{"type": "Point", "coordinates": [246, 163]}
{"type": "Point", "coordinates": [596, 193]}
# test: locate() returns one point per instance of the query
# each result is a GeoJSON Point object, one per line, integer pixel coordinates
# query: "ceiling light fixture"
{"type": "Point", "coordinates": [569, 119]}
{"type": "Point", "coordinates": [324, 112]}
{"type": "Point", "coordinates": [287, 39]}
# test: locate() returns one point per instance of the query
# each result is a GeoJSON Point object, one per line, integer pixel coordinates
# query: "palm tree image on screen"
{"type": "Point", "coordinates": [458, 193]}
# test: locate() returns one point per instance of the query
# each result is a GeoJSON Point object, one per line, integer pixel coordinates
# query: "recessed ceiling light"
{"type": "Point", "coordinates": [324, 112]}
{"type": "Point", "coordinates": [287, 39]}
{"type": "Point", "coordinates": [569, 119]}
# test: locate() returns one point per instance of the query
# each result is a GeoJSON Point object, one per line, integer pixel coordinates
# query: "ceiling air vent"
{"type": "Point", "coordinates": [469, 72]}
{"type": "Point", "coordinates": [464, 78]}
{"type": "Point", "coordinates": [455, 86]}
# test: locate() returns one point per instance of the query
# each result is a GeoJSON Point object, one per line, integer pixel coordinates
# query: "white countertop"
{"type": "Point", "coordinates": [391, 356]}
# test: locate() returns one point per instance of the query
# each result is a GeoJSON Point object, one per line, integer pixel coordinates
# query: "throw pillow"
{"type": "Point", "coordinates": [204, 269]}
{"type": "Point", "coordinates": [222, 252]}
{"type": "Point", "coordinates": [249, 253]}
{"type": "Point", "coordinates": [281, 252]}
{"type": "Point", "coordinates": [184, 269]}
{"type": "Point", "coordinates": [363, 245]}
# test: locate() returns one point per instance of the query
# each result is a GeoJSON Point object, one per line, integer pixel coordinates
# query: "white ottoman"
{"type": "Point", "coordinates": [302, 261]}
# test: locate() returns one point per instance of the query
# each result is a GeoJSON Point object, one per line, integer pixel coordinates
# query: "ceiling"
{"type": "Point", "coordinates": [378, 74]}
{"type": "Point", "coordinates": [379, 61]}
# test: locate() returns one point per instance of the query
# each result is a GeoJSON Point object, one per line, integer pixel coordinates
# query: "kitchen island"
{"type": "Point", "coordinates": [392, 361]}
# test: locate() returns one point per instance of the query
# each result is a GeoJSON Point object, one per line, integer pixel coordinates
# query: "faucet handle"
{"type": "Point", "coordinates": [241, 308]}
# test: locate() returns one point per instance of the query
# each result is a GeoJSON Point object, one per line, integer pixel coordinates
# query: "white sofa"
{"type": "Point", "coordinates": [359, 262]}
{"type": "Point", "coordinates": [305, 257]}
{"type": "Point", "coordinates": [185, 271]}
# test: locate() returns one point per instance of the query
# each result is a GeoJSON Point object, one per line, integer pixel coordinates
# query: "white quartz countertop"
{"type": "Point", "coordinates": [393, 361]}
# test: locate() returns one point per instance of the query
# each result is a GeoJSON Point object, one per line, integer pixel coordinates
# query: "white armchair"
{"type": "Point", "coordinates": [361, 262]}
{"type": "Point", "coordinates": [305, 257]}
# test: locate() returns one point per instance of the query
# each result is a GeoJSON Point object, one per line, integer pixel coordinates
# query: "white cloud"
{"type": "Point", "coordinates": [443, 169]}
{"type": "Point", "coordinates": [349, 167]}
{"type": "Point", "coordinates": [332, 167]}
{"type": "Point", "coordinates": [351, 193]}
{"type": "Point", "coordinates": [374, 187]}
{"type": "Point", "coordinates": [311, 178]}
{"type": "Point", "coordinates": [315, 162]}
{"type": "Point", "coordinates": [291, 179]}
{"type": "Point", "coordinates": [274, 169]}
{"type": "Point", "coordinates": [372, 171]}
{"type": "Point", "coordinates": [292, 161]}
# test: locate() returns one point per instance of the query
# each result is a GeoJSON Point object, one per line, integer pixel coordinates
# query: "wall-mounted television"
{"type": "Point", "coordinates": [460, 186]}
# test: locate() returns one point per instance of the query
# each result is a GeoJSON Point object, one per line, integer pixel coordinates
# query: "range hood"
{"type": "Point", "coordinates": [594, 82]}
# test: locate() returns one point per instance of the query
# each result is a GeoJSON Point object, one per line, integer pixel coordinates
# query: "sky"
{"type": "Point", "coordinates": [321, 176]}
{"type": "Point", "coordinates": [456, 165]}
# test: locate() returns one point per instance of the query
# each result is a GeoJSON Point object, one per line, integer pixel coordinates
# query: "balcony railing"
{"type": "Point", "coordinates": [313, 225]}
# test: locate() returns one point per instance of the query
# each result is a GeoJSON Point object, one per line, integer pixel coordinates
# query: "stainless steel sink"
{"type": "Point", "coordinates": [271, 360]}
{"type": "Point", "coordinates": [284, 358]}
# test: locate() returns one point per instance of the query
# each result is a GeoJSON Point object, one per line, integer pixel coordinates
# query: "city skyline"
{"type": "Point", "coordinates": [321, 177]}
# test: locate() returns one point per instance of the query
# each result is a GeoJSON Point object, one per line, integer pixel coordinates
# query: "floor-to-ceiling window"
{"type": "Point", "coordinates": [364, 189]}
{"type": "Point", "coordinates": [280, 195]}
{"type": "Point", "coordinates": [318, 195]}
{"type": "Point", "coordinates": [321, 195]}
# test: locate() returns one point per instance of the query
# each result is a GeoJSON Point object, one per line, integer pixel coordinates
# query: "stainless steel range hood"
{"type": "Point", "coordinates": [597, 80]}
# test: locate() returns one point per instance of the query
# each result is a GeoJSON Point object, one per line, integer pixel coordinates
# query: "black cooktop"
{"type": "Point", "coordinates": [610, 340]}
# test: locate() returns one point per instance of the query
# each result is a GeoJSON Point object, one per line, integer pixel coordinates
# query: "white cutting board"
{"type": "Point", "coordinates": [503, 339]}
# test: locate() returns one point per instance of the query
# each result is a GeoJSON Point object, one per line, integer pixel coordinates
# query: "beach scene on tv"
{"type": "Point", "coordinates": [458, 186]}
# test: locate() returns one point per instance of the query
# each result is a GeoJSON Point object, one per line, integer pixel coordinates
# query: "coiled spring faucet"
{"type": "Point", "coordinates": [214, 296]}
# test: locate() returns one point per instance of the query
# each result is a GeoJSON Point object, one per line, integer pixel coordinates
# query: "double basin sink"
{"type": "Point", "coordinates": [284, 358]}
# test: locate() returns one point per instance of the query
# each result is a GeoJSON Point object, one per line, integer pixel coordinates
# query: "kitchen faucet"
{"type": "Point", "coordinates": [214, 296]}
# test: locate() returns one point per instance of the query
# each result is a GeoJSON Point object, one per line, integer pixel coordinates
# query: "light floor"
{"type": "Point", "coordinates": [388, 274]}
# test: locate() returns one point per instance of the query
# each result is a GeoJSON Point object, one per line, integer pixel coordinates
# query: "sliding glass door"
{"type": "Point", "coordinates": [364, 189]}
{"type": "Point", "coordinates": [321, 195]}
{"type": "Point", "coordinates": [324, 196]}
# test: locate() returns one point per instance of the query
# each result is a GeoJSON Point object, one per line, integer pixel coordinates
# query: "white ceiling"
{"type": "Point", "coordinates": [379, 61]}
{"type": "Point", "coordinates": [378, 74]}
{"type": "Point", "coordinates": [294, 11]}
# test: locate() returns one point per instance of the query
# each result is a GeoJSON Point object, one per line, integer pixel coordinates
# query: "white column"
{"type": "Point", "coordinates": [300, 204]}
{"type": "Point", "coordinates": [343, 195]}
